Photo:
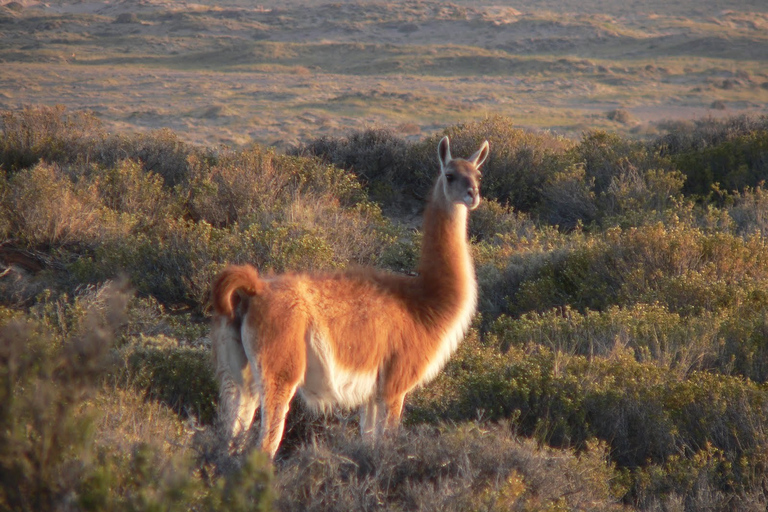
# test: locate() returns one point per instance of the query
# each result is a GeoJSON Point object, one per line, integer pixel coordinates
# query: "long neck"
{"type": "Point", "coordinates": [446, 265]}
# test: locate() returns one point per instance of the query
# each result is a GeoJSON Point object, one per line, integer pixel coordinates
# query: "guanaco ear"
{"type": "Point", "coordinates": [444, 153]}
{"type": "Point", "coordinates": [480, 155]}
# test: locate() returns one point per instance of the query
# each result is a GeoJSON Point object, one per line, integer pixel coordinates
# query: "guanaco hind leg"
{"type": "Point", "coordinates": [238, 386]}
{"type": "Point", "coordinates": [278, 355]}
{"type": "Point", "coordinates": [394, 407]}
{"type": "Point", "coordinates": [274, 409]}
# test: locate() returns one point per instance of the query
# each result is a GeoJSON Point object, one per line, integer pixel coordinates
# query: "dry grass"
{"type": "Point", "coordinates": [235, 73]}
{"type": "Point", "coordinates": [470, 467]}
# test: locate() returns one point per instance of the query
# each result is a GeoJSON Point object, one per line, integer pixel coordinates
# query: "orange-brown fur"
{"type": "Point", "coordinates": [362, 337]}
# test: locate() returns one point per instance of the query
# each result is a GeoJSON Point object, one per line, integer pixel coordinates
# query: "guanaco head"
{"type": "Point", "coordinates": [459, 178]}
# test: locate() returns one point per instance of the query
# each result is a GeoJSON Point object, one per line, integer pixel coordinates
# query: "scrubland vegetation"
{"type": "Point", "coordinates": [619, 360]}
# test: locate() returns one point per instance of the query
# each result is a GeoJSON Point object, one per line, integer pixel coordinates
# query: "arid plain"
{"type": "Point", "coordinates": [279, 73]}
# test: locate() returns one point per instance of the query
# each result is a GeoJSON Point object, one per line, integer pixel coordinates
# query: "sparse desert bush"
{"type": "Point", "coordinates": [160, 152]}
{"type": "Point", "coordinates": [636, 197]}
{"type": "Point", "coordinates": [606, 156]}
{"type": "Point", "coordinates": [53, 456]}
{"type": "Point", "coordinates": [42, 207]}
{"type": "Point", "coordinates": [620, 115]}
{"type": "Point", "coordinates": [651, 332]}
{"type": "Point", "coordinates": [56, 135]}
{"type": "Point", "coordinates": [492, 221]}
{"type": "Point", "coordinates": [43, 133]}
{"type": "Point", "coordinates": [128, 189]}
{"type": "Point", "coordinates": [749, 211]}
{"type": "Point", "coordinates": [381, 159]}
{"type": "Point", "coordinates": [470, 467]}
{"type": "Point", "coordinates": [568, 198]}
{"type": "Point", "coordinates": [43, 381]}
{"type": "Point", "coordinates": [703, 133]}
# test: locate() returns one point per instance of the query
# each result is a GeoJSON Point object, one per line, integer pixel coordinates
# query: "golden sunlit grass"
{"type": "Point", "coordinates": [165, 66]}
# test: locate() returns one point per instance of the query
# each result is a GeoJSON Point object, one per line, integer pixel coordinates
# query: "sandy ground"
{"type": "Point", "coordinates": [281, 73]}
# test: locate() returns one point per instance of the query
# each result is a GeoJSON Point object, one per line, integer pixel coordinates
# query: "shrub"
{"type": "Point", "coordinates": [568, 199]}
{"type": "Point", "coordinates": [51, 455]}
{"type": "Point", "coordinates": [608, 155]}
{"type": "Point", "coordinates": [128, 189]}
{"type": "Point", "coordinates": [620, 115]}
{"type": "Point", "coordinates": [43, 133]}
{"type": "Point", "coordinates": [466, 467]}
{"type": "Point", "coordinates": [43, 208]}
{"type": "Point", "coordinates": [181, 377]}
{"type": "Point", "coordinates": [749, 211]}
{"type": "Point", "coordinates": [647, 415]}
{"type": "Point", "coordinates": [45, 439]}
{"type": "Point", "coordinates": [678, 266]}
{"type": "Point", "coordinates": [733, 164]}
{"type": "Point", "coordinates": [392, 171]}
{"type": "Point", "coordinates": [492, 221]}
{"type": "Point", "coordinates": [515, 173]}
{"type": "Point", "coordinates": [652, 333]}
{"type": "Point", "coordinates": [706, 132]}
{"type": "Point", "coordinates": [633, 197]}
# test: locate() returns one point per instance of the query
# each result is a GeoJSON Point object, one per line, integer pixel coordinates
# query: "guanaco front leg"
{"type": "Point", "coordinates": [369, 418]}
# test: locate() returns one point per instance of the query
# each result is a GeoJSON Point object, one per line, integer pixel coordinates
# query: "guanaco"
{"type": "Point", "coordinates": [362, 337]}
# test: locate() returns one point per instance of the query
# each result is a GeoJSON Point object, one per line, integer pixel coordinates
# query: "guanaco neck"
{"type": "Point", "coordinates": [445, 266]}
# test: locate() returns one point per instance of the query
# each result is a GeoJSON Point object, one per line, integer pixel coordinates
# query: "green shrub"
{"type": "Point", "coordinates": [398, 172]}
{"type": "Point", "coordinates": [46, 440]}
{"type": "Point", "coordinates": [181, 377]}
{"type": "Point", "coordinates": [395, 172]}
{"type": "Point", "coordinates": [568, 198]}
{"type": "Point", "coordinates": [733, 164]}
{"type": "Point", "coordinates": [606, 156]}
{"type": "Point", "coordinates": [649, 416]}
{"type": "Point", "coordinates": [681, 267]}
{"type": "Point", "coordinates": [159, 152]}
{"type": "Point", "coordinates": [652, 333]}
{"type": "Point", "coordinates": [56, 135]}
{"type": "Point", "coordinates": [128, 189]}
{"type": "Point", "coordinates": [707, 132]}
{"type": "Point", "coordinates": [634, 198]}
{"type": "Point", "coordinates": [520, 162]}
{"type": "Point", "coordinates": [53, 367]}
{"type": "Point", "coordinates": [749, 211]}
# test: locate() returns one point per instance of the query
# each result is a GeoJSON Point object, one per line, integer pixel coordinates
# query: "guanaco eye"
{"type": "Point", "coordinates": [449, 178]}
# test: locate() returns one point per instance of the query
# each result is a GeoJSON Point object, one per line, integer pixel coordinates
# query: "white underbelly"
{"type": "Point", "coordinates": [327, 384]}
